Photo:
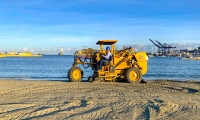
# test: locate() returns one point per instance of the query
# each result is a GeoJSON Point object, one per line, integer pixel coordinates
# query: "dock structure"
{"type": "Point", "coordinates": [195, 52]}
{"type": "Point", "coordinates": [163, 49]}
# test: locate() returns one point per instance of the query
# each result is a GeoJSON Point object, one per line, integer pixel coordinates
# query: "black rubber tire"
{"type": "Point", "coordinates": [71, 77]}
{"type": "Point", "coordinates": [131, 80]}
{"type": "Point", "coordinates": [90, 79]}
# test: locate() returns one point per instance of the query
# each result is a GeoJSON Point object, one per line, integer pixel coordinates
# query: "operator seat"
{"type": "Point", "coordinates": [106, 63]}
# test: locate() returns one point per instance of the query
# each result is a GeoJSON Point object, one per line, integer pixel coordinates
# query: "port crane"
{"type": "Point", "coordinates": [163, 49]}
{"type": "Point", "coordinates": [158, 46]}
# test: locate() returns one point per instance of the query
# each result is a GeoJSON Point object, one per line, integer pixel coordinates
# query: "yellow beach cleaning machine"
{"type": "Point", "coordinates": [124, 64]}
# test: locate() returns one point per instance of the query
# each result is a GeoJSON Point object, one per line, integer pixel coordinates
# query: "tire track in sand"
{"type": "Point", "coordinates": [65, 100]}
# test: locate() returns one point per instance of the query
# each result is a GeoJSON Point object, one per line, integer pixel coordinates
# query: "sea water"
{"type": "Point", "coordinates": [53, 67]}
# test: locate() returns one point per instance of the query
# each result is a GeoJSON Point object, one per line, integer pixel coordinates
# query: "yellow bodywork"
{"type": "Point", "coordinates": [125, 63]}
{"type": "Point", "coordinates": [122, 60]}
{"type": "Point", "coordinates": [142, 61]}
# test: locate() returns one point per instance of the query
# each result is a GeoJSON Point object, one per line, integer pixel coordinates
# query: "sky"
{"type": "Point", "coordinates": [51, 26]}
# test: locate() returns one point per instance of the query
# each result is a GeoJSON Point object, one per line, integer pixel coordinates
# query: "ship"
{"type": "Point", "coordinates": [2, 56]}
{"type": "Point", "coordinates": [20, 54]}
{"type": "Point", "coordinates": [60, 53]}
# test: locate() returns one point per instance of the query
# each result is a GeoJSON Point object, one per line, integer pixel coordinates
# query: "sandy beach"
{"type": "Point", "coordinates": [50, 100]}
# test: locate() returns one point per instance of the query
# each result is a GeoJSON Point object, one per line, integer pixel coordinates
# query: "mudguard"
{"type": "Point", "coordinates": [142, 59]}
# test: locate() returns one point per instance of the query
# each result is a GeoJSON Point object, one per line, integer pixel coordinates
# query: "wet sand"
{"type": "Point", "coordinates": [45, 100]}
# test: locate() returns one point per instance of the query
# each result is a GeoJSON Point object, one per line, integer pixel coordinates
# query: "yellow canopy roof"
{"type": "Point", "coordinates": [106, 42]}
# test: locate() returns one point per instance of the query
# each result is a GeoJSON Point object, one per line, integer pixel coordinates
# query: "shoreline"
{"type": "Point", "coordinates": [65, 79]}
{"type": "Point", "coordinates": [156, 99]}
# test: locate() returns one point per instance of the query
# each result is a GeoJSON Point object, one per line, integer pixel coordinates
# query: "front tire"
{"type": "Point", "coordinates": [90, 78]}
{"type": "Point", "coordinates": [75, 74]}
{"type": "Point", "coordinates": [133, 75]}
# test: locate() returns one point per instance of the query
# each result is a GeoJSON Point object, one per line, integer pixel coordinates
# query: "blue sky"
{"type": "Point", "coordinates": [50, 26]}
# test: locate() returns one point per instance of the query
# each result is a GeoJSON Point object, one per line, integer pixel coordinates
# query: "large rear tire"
{"type": "Point", "coordinates": [133, 75]}
{"type": "Point", "coordinates": [75, 74]}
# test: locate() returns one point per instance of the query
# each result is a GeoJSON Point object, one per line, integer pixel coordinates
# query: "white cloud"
{"type": "Point", "coordinates": [25, 49]}
{"type": "Point", "coordinates": [136, 50]}
{"type": "Point", "coordinates": [32, 50]}
{"type": "Point", "coordinates": [61, 49]}
{"type": "Point", "coordinates": [185, 45]}
{"type": "Point", "coordinates": [189, 48]}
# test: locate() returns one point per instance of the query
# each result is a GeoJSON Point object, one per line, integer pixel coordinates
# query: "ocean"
{"type": "Point", "coordinates": [54, 67]}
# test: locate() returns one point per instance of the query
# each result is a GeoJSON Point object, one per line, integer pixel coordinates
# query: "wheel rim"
{"type": "Point", "coordinates": [134, 76]}
{"type": "Point", "coordinates": [76, 74]}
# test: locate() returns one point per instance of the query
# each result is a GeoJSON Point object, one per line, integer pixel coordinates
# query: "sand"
{"type": "Point", "coordinates": [50, 100]}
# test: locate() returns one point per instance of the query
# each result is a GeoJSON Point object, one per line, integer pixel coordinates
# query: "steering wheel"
{"type": "Point", "coordinates": [102, 56]}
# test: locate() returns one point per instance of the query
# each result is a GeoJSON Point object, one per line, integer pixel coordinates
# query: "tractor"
{"type": "Point", "coordinates": [124, 64]}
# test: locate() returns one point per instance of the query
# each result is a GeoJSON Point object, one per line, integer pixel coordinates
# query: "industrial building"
{"type": "Point", "coordinates": [168, 50]}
